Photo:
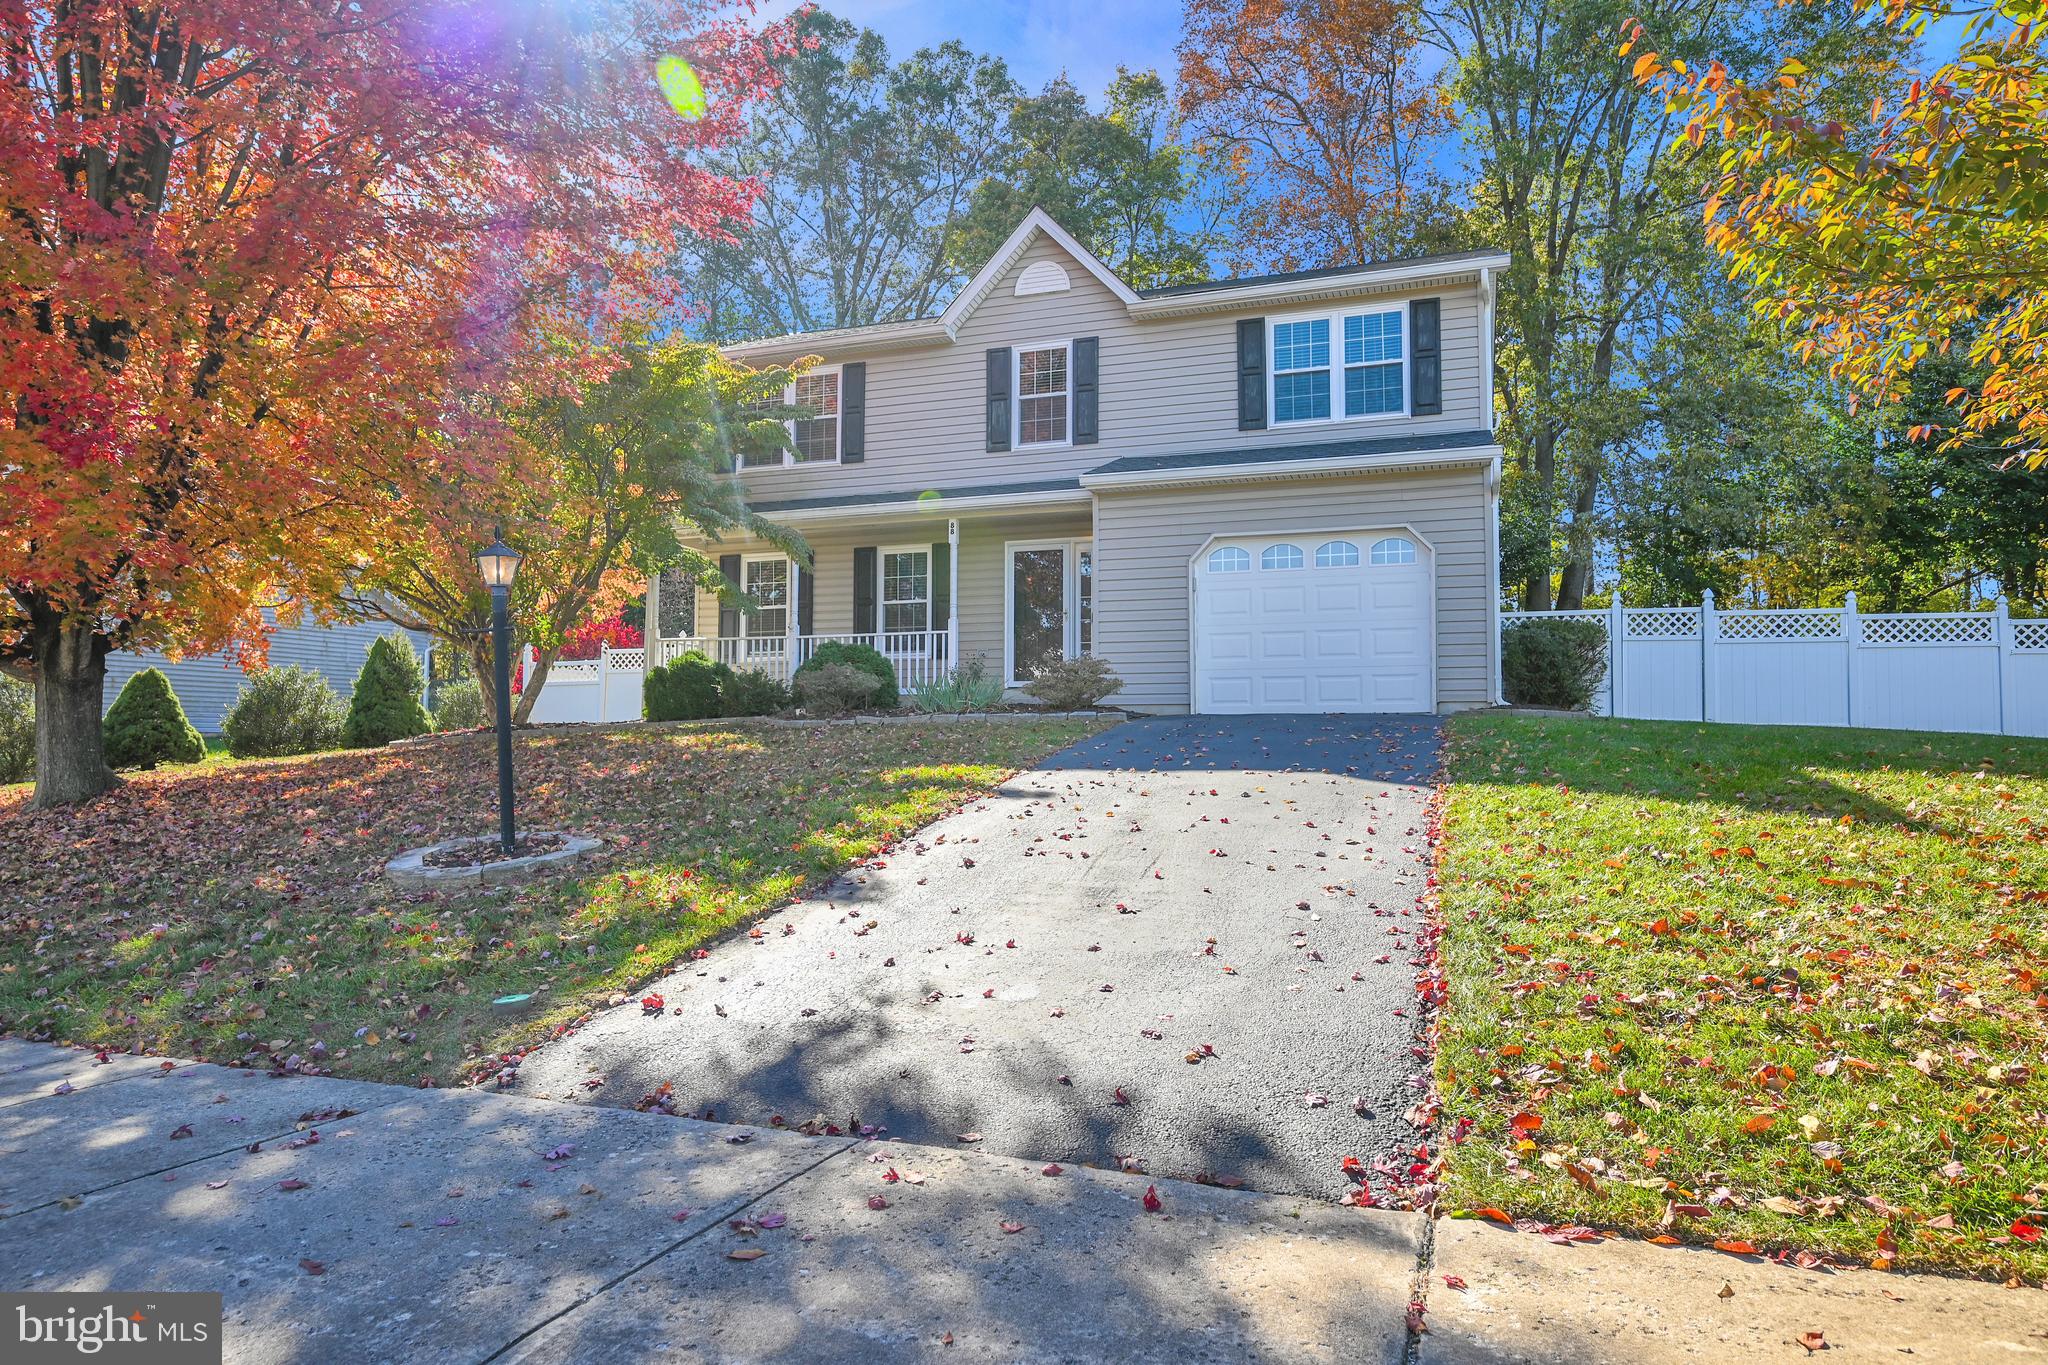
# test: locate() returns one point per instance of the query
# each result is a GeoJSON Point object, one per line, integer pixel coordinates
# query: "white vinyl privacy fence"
{"type": "Point", "coordinates": [590, 691]}
{"type": "Point", "coordinates": [1973, 671]}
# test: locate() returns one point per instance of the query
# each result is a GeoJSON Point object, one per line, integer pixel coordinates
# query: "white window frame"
{"type": "Point", "coordinates": [1017, 395]}
{"type": "Point", "coordinates": [1338, 412]}
{"type": "Point", "coordinates": [749, 619]}
{"type": "Point", "coordinates": [881, 588]}
{"type": "Point", "coordinates": [789, 459]}
{"type": "Point", "coordinates": [1070, 598]}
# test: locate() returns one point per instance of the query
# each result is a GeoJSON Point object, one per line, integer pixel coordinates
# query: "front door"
{"type": "Point", "coordinates": [1049, 607]}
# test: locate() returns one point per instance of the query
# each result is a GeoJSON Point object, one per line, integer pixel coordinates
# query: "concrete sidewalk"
{"type": "Point", "coordinates": [344, 1221]}
{"type": "Point", "coordinates": [466, 1226]}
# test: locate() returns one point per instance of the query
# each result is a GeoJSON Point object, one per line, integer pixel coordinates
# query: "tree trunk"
{"type": "Point", "coordinates": [480, 667]}
{"type": "Point", "coordinates": [1543, 463]}
{"type": "Point", "coordinates": [536, 678]}
{"type": "Point", "coordinates": [71, 677]}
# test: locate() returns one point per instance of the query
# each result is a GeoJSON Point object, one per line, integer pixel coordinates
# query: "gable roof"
{"type": "Point", "coordinates": [1169, 301]}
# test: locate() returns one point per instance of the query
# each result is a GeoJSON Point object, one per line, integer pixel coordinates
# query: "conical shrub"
{"type": "Point", "coordinates": [146, 725]}
{"type": "Point", "coordinates": [386, 703]}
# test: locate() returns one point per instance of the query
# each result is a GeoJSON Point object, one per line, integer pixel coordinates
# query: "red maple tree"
{"type": "Point", "coordinates": [259, 259]}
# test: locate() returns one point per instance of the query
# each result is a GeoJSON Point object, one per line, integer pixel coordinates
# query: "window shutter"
{"type": "Point", "coordinates": [853, 416]}
{"type": "Point", "coordinates": [728, 614]}
{"type": "Point", "coordinates": [1251, 374]}
{"type": "Point", "coordinates": [806, 596]}
{"type": "Point", "coordinates": [1425, 358]}
{"type": "Point", "coordinates": [942, 584]}
{"type": "Point", "coordinates": [864, 590]}
{"type": "Point", "coordinates": [1087, 361]}
{"type": "Point", "coordinates": [998, 398]}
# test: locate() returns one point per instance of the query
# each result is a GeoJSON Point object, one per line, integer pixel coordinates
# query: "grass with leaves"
{"type": "Point", "coordinates": [238, 912]}
{"type": "Point", "coordinates": [1768, 987]}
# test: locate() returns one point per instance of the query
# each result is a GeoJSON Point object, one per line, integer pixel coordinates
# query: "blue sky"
{"type": "Point", "coordinates": [1084, 38]}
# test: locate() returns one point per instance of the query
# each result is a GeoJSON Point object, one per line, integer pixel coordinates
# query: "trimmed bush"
{"type": "Point", "coordinates": [17, 731]}
{"type": "Point", "coordinates": [460, 706]}
{"type": "Point", "coordinates": [866, 658]}
{"type": "Point", "coordinates": [1553, 663]}
{"type": "Point", "coordinates": [684, 688]}
{"type": "Point", "coordinates": [386, 703]}
{"type": "Point", "coordinates": [970, 688]}
{"type": "Point", "coordinates": [284, 711]}
{"type": "Point", "coordinates": [743, 692]}
{"type": "Point", "coordinates": [146, 726]}
{"type": "Point", "coordinates": [1073, 684]}
{"type": "Point", "coordinates": [835, 689]}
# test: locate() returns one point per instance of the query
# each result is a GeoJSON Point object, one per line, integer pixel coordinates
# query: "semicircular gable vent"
{"type": "Point", "coordinates": [1043, 277]}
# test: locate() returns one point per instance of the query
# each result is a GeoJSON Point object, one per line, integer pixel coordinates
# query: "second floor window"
{"type": "Point", "coordinates": [813, 436]}
{"type": "Point", "coordinates": [1042, 395]}
{"type": "Point", "coordinates": [816, 436]}
{"type": "Point", "coordinates": [1340, 366]}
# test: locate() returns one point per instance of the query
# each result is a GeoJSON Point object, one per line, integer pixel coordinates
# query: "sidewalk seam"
{"type": "Point", "coordinates": [631, 1271]}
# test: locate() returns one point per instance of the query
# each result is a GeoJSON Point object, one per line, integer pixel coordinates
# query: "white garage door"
{"type": "Point", "coordinates": [1315, 622]}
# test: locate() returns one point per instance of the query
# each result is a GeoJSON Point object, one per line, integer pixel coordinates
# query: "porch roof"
{"type": "Point", "coordinates": [1378, 454]}
{"type": "Point", "coordinates": [959, 498]}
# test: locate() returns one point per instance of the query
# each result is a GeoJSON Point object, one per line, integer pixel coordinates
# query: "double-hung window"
{"type": "Point", "coordinates": [1043, 377]}
{"type": "Point", "coordinates": [766, 580]}
{"type": "Point", "coordinates": [1340, 366]}
{"type": "Point", "coordinates": [906, 591]}
{"type": "Point", "coordinates": [813, 433]}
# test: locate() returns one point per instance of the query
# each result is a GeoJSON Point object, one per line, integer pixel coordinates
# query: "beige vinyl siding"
{"type": "Point", "coordinates": [983, 571]}
{"type": "Point", "coordinates": [1144, 541]}
{"type": "Point", "coordinates": [1167, 386]}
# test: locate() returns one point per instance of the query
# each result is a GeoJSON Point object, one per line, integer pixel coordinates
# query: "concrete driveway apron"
{"type": "Point", "coordinates": [1183, 944]}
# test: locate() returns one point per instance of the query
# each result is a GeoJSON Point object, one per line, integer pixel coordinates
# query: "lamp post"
{"type": "Point", "coordinates": [499, 565]}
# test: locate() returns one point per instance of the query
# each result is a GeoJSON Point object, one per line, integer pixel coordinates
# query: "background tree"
{"type": "Point", "coordinates": [247, 250]}
{"type": "Point", "coordinates": [1879, 234]}
{"type": "Point", "coordinates": [1332, 111]}
{"type": "Point", "coordinates": [606, 482]}
{"type": "Point", "coordinates": [865, 168]}
{"type": "Point", "coordinates": [1121, 181]}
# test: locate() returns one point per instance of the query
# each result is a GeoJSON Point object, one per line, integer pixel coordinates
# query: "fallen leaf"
{"type": "Point", "coordinates": [746, 1254]}
{"type": "Point", "coordinates": [1152, 1203]}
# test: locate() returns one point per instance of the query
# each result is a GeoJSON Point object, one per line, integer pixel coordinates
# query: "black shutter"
{"type": "Point", "coordinates": [1087, 361]}
{"type": "Point", "coordinates": [864, 590]}
{"type": "Point", "coordinates": [806, 597]}
{"type": "Point", "coordinates": [1425, 359]}
{"type": "Point", "coordinates": [942, 584]}
{"type": "Point", "coordinates": [1251, 374]}
{"type": "Point", "coordinates": [853, 416]}
{"type": "Point", "coordinates": [728, 614]}
{"type": "Point", "coordinates": [998, 398]}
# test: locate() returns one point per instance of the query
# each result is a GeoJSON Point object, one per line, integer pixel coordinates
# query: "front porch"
{"type": "Point", "coordinates": [1009, 588]}
{"type": "Point", "coordinates": [921, 657]}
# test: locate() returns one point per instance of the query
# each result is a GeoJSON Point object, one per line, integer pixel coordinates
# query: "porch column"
{"type": "Point", "coordinates": [953, 596]}
{"type": "Point", "coordinates": [790, 614]}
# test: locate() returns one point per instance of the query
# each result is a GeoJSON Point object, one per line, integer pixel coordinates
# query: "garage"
{"type": "Point", "coordinates": [1314, 622]}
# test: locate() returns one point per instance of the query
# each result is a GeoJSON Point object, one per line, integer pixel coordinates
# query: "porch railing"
{"type": "Point", "coordinates": [920, 656]}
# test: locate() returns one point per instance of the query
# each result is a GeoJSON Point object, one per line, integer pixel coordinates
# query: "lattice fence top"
{"type": "Point", "coordinates": [575, 666]}
{"type": "Point", "coordinates": [2030, 635]}
{"type": "Point", "coordinates": [627, 658]}
{"type": "Point", "coordinates": [1779, 625]}
{"type": "Point", "coordinates": [1929, 630]}
{"type": "Point", "coordinates": [1510, 618]}
{"type": "Point", "coordinates": [1663, 623]}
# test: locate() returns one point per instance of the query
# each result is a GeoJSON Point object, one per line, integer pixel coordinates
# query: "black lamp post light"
{"type": "Point", "coordinates": [499, 565]}
{"type": "Point", "coordinates": [472, 860]}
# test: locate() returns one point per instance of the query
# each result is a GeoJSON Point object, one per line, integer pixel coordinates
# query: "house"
{"type": "Point", "coordinates": [1256, 495]}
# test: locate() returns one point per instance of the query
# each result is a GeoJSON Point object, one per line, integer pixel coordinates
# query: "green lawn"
{"type": "Point", "coordinates": [235, 910]}
{"type": "Point", "coordinates": [1781, 987]}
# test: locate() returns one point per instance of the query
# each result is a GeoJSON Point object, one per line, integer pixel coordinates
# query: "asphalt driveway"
{"type": "Point", "coordinates": [1041, 967]}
